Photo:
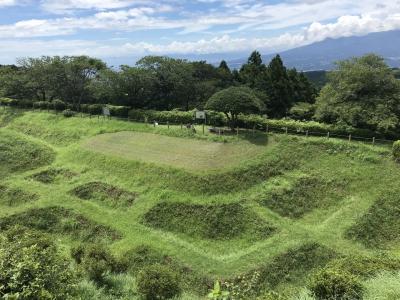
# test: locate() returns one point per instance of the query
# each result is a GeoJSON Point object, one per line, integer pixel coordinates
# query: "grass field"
{"type": "Point", "coordinates": [218, 207]}
{"type": "Point", "coordinates": [189, 154]}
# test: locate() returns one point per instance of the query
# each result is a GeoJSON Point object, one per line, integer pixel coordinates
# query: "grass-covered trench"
{"type": "Point", "coordinates": [222, 206]}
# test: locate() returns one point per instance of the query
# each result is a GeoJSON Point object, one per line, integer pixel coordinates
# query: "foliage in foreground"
{"type": "Point", "coordinates": [396, 151]}
{"type": "Point", "coordinates": [158, 282]}
{"type": "Point", "coordinates": [31, 268]}
{"type": "Point", "coordinates": [329, 284]}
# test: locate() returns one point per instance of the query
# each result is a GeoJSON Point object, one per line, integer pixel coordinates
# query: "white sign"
{"type": "Point", "coordinates": [200, 115]}
{"type": "Point", "coordinates": [106, 111]}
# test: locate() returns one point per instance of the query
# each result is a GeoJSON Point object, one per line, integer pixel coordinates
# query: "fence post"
{"type": "Point", "coordinates": [254, 129]}
{"type": "Point", "coordinates": [203, 128]}
{"type": "Point", "coordinates": [373, 141]}
{"type": "Point", "coordinates": [266, 128]}
{"type": "Point", "coordinates": [237, 131]}
{"type": "Point", "coordinates": [328, 135]}
{"type": "Point", "coordinates": [286, 130]}
{"type": "Point", "coordinates": [168, 124]}
{"type": "Point", "coordinates": [306, 133]}
{"type": "Point", "coordinates": [181, 126]}
{"type": "Point", "coordinates": [349, 137]}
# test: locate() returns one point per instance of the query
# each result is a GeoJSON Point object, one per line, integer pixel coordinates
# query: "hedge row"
{"type": "Point", "coordinates": [213, 118]}
{"type": "Point", "coordinates": [250, 121]}
{"type": "Point", "coordinates": [58, 105]}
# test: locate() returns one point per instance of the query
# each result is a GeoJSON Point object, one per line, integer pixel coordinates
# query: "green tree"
{"type": "Point", "coordinates": [252, 73]}
{"type": "Point", "coordinates": [279, 88]}
{"type": "Point", "coordinates": [234, 101]}
{"type": "Point", "coordinates": [361, 92]}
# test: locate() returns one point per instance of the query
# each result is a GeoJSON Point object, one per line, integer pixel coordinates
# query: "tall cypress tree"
{"type": "Point", "coordinates": [252, 73]}
{"type": "Point", "coordinates": [279, 88]}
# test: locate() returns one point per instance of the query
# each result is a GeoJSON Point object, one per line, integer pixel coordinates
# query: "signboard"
{"type": "Point", "coordinates": [200, 115]}
{"type": "Point", "coordinates": [106, 111]}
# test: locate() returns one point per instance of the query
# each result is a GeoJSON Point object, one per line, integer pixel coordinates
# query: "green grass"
{"type": "Point", "coordinates": [380, 225]}
{"type": "Point", "coordinates": [311, 191]}
{"type": "Point", "coordinates": [15, 196]}
{"type": "Point", "coordinates": [21, 154]}
{"type": "Point", "coordinates": [225, 221]}
{"type": "Point", "coordinates": [189, 154]}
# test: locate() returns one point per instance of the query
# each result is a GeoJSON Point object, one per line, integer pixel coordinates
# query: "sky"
{"type": "Point", "coordinates": [120, 31]}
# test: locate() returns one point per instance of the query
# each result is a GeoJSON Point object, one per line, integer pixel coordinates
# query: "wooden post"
{"type": "Point", "coordinates": [328, 135]}
{"type": "Point", "coordinates": [254, 129]}
{"type": "Point", "coordinates": [266, 128]}
{"type": "Point", "coordinates": [203, 128]}
{"type": "Point", "coordinates": [286, 130]}
{"type": "Point", "coordinates": [181, 126]}
{"type": "Point", "coordinates": [373, 141]}
{"type": "Point", "coordinates": [219, 131]}
{"type": "Point", "coordinates": [307, 133]}
{"type": "Point", "coordinates": [168, 124]}
{"type": "Point", "coordinates": [349, 137]}
{"type": "Point", "coordinates": [237, 131]}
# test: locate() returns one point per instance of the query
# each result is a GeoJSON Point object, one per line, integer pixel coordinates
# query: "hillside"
{"type": "Point", "coordinates": [282, 206]}
{"type": "Point", "coordinates": [322, 55]}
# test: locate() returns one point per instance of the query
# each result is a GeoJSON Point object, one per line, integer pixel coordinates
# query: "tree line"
{"type": "Point", "coordinates": [361, 92]}
{"type": "Point", "coordinates": [155, 82]}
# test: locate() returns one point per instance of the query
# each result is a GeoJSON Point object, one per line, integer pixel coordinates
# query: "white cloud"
{"type": "Point", "coordinates": [65, 6]}
{"type": "Point", "coordinates": [4, 3]}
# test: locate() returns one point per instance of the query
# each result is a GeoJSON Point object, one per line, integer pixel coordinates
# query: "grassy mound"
{"type": "Point", "coordinates": [14, 196]}
{"type": "Point", "coordinates": [19, 154]}
{"type": "Point", "coordinates": [292, 265]}
{"type": "Point", "coordinates": [59, 220]}
{"type": "Point", "coordinates": [380, 225]}
{"type": "Point", "coordinates": [304, 195]}
{"type": "Point", "coordinates": [225, 221]}
{"type": "Point", "coordinates": [142, 256]}
{"type": "Point", "coordinates": [51, 175]}
{"type": "Point", "coordinates": [105, 193]}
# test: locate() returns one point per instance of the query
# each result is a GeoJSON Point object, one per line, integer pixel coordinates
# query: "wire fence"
{"type": "Point", "coordinates": [223, 130]}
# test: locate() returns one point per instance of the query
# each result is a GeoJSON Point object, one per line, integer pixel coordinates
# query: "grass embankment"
{"type": "Point", "coordinates": [295, 204]}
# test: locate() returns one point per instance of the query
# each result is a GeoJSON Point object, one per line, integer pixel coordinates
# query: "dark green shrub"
{"type": "Point", "coordinates": [396, 151]}
{"type": "Point", "coordinates": [97, 261]}
{"type": "Point", "coordinates": [302, 111]}
{"type": "Point", "coordinates": [330, 284]}
{"type": "Point", "coordinates": [25, 104]}
{"type": "Point", "coordinates": [95, 109]}
{"type": "Point", "coordinates": [158, 282]}
{"type": "Point", "coordinates": [119, 111]}
{"type": "Point", "coordinates": [6, 101]}
{"type": "Point", "coordinates": [68, 113]}
{"type": "Point", "coordinates": [58, 105]}
{"type": "Point", "coordinates": [84, 108]}
{"type": "Point", "coordinates": [42, 105]}
{"type": "Point", "coordinates": [31, 268]}
{"type": "Point", "coordinates": [13, 102]}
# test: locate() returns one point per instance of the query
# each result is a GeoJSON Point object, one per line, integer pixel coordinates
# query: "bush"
{"type": "Point", "coordinates": [42, 105]}
{"type": "Point", "coordinates": [31, 268]}
{"type": "Point", "coordinates": [158, 282]}
{"type": "Point", "coordinates": [330, 284]}
{"type": "Point", "coordinates": [119, 111]}
{"type": "Point", "coordinates": [68, 113]}
{"type": "Point", "coordinates": [95, 109]}
{"type": "Point", "coordinates": [396, 151]}
{"type": "Point", "coordinates": [58, 105]}
{"type": "Point", "coordinates": [6, 101]}
{"type": "Point", "coordinates": [97, 261]}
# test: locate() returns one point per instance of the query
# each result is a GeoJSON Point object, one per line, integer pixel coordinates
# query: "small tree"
{"type": "Point", "coordinates": [234, 101]}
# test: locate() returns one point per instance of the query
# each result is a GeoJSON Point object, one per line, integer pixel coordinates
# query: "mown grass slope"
{"type": "Point", "coordinates": [295, 205]}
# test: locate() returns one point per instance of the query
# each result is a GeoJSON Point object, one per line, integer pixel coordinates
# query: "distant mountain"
{"type": "Point", "coordinates": [322, 55]}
